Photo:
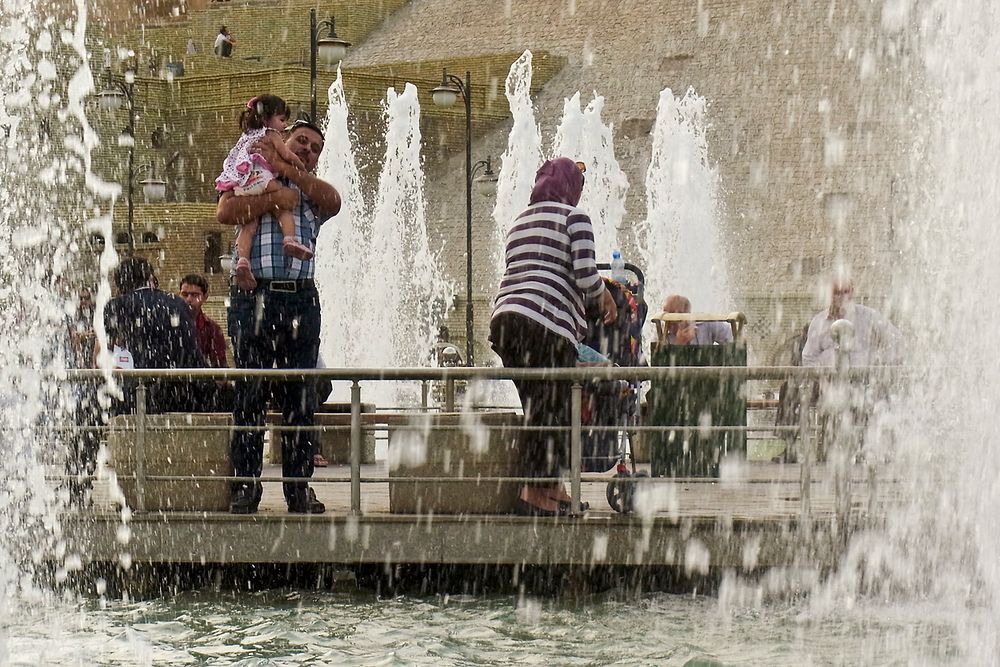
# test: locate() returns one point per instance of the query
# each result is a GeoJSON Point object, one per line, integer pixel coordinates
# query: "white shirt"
{"type": "Point", "coordinates": [876, 341]}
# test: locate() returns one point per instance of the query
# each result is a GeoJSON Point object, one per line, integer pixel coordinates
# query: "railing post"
{"type": "Point", "coordinates": [355, 447]}
{"type": "Point", "coordinates": [805, 471]}
{"type": "Point", "coordinates": [449, 395]}
{"type": "Point", "coordinates": [424, 391]}
{"type": "Point", "coordinates": [140, 447]}
{"type": "Point", "coordinates": [576, 447]}
{"type": "Point", "coordinates": [843, 335]}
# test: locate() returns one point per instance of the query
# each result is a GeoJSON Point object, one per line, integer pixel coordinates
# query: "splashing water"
{"type": "Point", "coordinates": [940, 542]}
{"type": "Point", "coordinates": [384, 294]}
{"type": "Point", "coordinates": [522, 158]}
{"type": "Point", "coordinates": [679, 240]}
{"type": "Point", "coordinates": [583, 136]}
{"type": "Point", "coordinates": [343, 247]}
{"type": "Point", "coordinates": [42, 246]}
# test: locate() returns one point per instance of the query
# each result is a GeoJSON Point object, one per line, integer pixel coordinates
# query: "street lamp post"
{"type": "Point", "coordinates": [446, 95]}
{"type": "Point", "coordinates": [329, 48]}
{"type": "Point", "coordinates": [154, 189]}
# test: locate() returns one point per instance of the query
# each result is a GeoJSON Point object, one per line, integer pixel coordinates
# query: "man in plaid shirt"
{"type": "Point", "coordinates": [277, 324]}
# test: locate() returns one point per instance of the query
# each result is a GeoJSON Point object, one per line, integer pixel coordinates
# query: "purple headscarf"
{"type": "Point", "coordinates": [558, 180]}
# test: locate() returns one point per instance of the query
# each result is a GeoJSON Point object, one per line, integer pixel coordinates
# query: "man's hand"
{"type": "Point", "coordinates": [685, 333]}
{"type": "Point", "coordinates": [283, 163]}
{"type": "Point", "coordinates": [609, 307]}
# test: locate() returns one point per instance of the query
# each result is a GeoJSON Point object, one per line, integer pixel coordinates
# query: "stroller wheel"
{"type": "Point", "coordinates": [620, 493]}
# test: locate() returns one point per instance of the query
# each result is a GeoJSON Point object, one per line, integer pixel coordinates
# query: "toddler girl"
{"type": "Point", "coordinates": [247, 173]}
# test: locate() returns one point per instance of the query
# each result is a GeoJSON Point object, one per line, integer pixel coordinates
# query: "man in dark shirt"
{"type": "Point", "coordinates": [158, 329]}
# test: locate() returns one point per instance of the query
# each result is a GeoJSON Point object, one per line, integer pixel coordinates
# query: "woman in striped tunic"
{"type": "Point", "coordinates": [538, 319]}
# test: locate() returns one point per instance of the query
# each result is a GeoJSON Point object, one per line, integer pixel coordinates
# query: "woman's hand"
{"type": "Point", "coordinates": [609, 307]}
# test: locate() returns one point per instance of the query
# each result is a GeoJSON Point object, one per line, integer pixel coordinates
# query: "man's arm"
{"type": "Point", "coordinates": [811, 352]}
{"type": "Point", "coordinates": [324, 195]}
{"type": "Point", "coordinates": [233, 210]}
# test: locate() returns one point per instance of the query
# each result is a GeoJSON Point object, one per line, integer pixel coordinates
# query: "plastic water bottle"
{"type": "Point", "coordinates": [618, 273]}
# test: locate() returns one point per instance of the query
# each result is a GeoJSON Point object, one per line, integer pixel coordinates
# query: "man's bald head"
{"type": "Point", "coordinates": [676, 303]}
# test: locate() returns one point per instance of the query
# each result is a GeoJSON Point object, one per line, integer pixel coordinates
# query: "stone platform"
{"type": "Point", "coordinates": [749, 521]}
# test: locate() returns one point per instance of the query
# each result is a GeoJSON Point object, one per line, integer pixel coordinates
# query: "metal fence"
{"type": "Point", "coordinates": [577, 377]}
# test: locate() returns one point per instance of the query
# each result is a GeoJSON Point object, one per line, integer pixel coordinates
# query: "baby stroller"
{"type": "Point", "coordinates": [614, 403]}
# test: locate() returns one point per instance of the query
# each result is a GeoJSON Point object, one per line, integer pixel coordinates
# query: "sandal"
{"type": "Point", "coordinates": [244, 276]}
{"type": "Point", "coordinates": [292, 246]}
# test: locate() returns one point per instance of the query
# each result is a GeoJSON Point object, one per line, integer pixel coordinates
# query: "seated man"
{"type": "Point", "coordinates": [211, 342]}
{"type": "Point", "coordinates": [694, 333]}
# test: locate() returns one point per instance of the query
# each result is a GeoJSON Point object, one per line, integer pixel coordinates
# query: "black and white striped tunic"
{"type": "Point", "coordinates": [551, 269]}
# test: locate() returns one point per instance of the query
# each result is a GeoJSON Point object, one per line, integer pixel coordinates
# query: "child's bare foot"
{"type": "Point", "coordinates": [244, 276]}
{"type": "Point", "coordinates": [293, 247]}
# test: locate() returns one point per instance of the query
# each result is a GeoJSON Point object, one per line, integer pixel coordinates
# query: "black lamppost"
{"type": "Point", "coordinates": [154, 189]}
{"type": "Point", "coordinates": [445, 95]}
{"type": "Point", "coordinates": [329, 48]}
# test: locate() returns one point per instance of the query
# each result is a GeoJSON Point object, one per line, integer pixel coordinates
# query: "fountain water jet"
{"type": "Point", "coordinates": [41, 248]}
{"type": "Point", "coordinates": [679, 240]}
{"type": "Point", "coordinates": [383, 288]}
{"type": "Point", "coordinates": [583, 135]}
{"type": "Point", "coordinates": [522, 158]}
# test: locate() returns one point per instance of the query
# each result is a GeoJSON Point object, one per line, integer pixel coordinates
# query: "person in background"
{"type": "Point", "coordinates": [875, 340]}
{"type": "Point", "coordinates": [694, 333]}
{"type": "Point", "coordinates": [158, 331]}
{"type": "Point", "coordinates": [539, 318]}
{"type": "Point", "coordinates": [81, 331]}
{"type": "Point", "coordinates": [211, 342]}
{"type": "Point", "coordinates": [224, 43]}
{"type": "Point", "coordinates": [277, 323]}
{"type": "Point", "coordinates": [446, 354]}
{"type": "Point", "coordinates": [86, 410]}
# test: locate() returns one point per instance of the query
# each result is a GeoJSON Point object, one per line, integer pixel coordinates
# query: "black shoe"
{"type": "Point", "coordinates": [304, 502]}
{"type": "Point", "coordinates": [245, 500]}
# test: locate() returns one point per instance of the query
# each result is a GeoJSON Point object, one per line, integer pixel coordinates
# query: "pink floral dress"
{"type": "Point", "coordinates": [243, 172]}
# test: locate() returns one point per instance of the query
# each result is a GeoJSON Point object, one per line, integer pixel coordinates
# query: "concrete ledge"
{"type": "Point", "coordinates": [174, 445]}
{"type": "Point", "coordinates": [614, 540]}
{"type": "Point", "coordinates": [471, 445]}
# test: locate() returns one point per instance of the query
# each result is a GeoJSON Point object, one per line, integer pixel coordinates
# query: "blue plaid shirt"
{"type": "Point", "coordinates": [267, 260]}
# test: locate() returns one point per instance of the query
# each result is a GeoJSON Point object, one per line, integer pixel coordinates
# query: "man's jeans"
{"type": "Point", "coordinates": [274, 329]}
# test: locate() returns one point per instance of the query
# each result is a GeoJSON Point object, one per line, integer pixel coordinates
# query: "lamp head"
{"type": "Point", "coordinates": [330, 49]}
{"type": "Point", "coordinates": [486, 182]}
{"type": "Point", "coordinates": [154, 189]}
{"type": "Point", "coordinates": [110, 99]}
{"type": "Point", "coordinates": [446, 94]}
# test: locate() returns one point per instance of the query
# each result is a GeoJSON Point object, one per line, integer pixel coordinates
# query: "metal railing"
{"type": "Point", "coordinates": [577, 377]}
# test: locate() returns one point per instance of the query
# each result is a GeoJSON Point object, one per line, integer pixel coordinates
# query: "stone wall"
{"type": "Point", "coordinates": [805, 113]}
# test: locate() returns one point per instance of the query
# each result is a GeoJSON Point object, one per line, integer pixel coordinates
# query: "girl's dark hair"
{"type": "Point", "coordinates": [260, 108]}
